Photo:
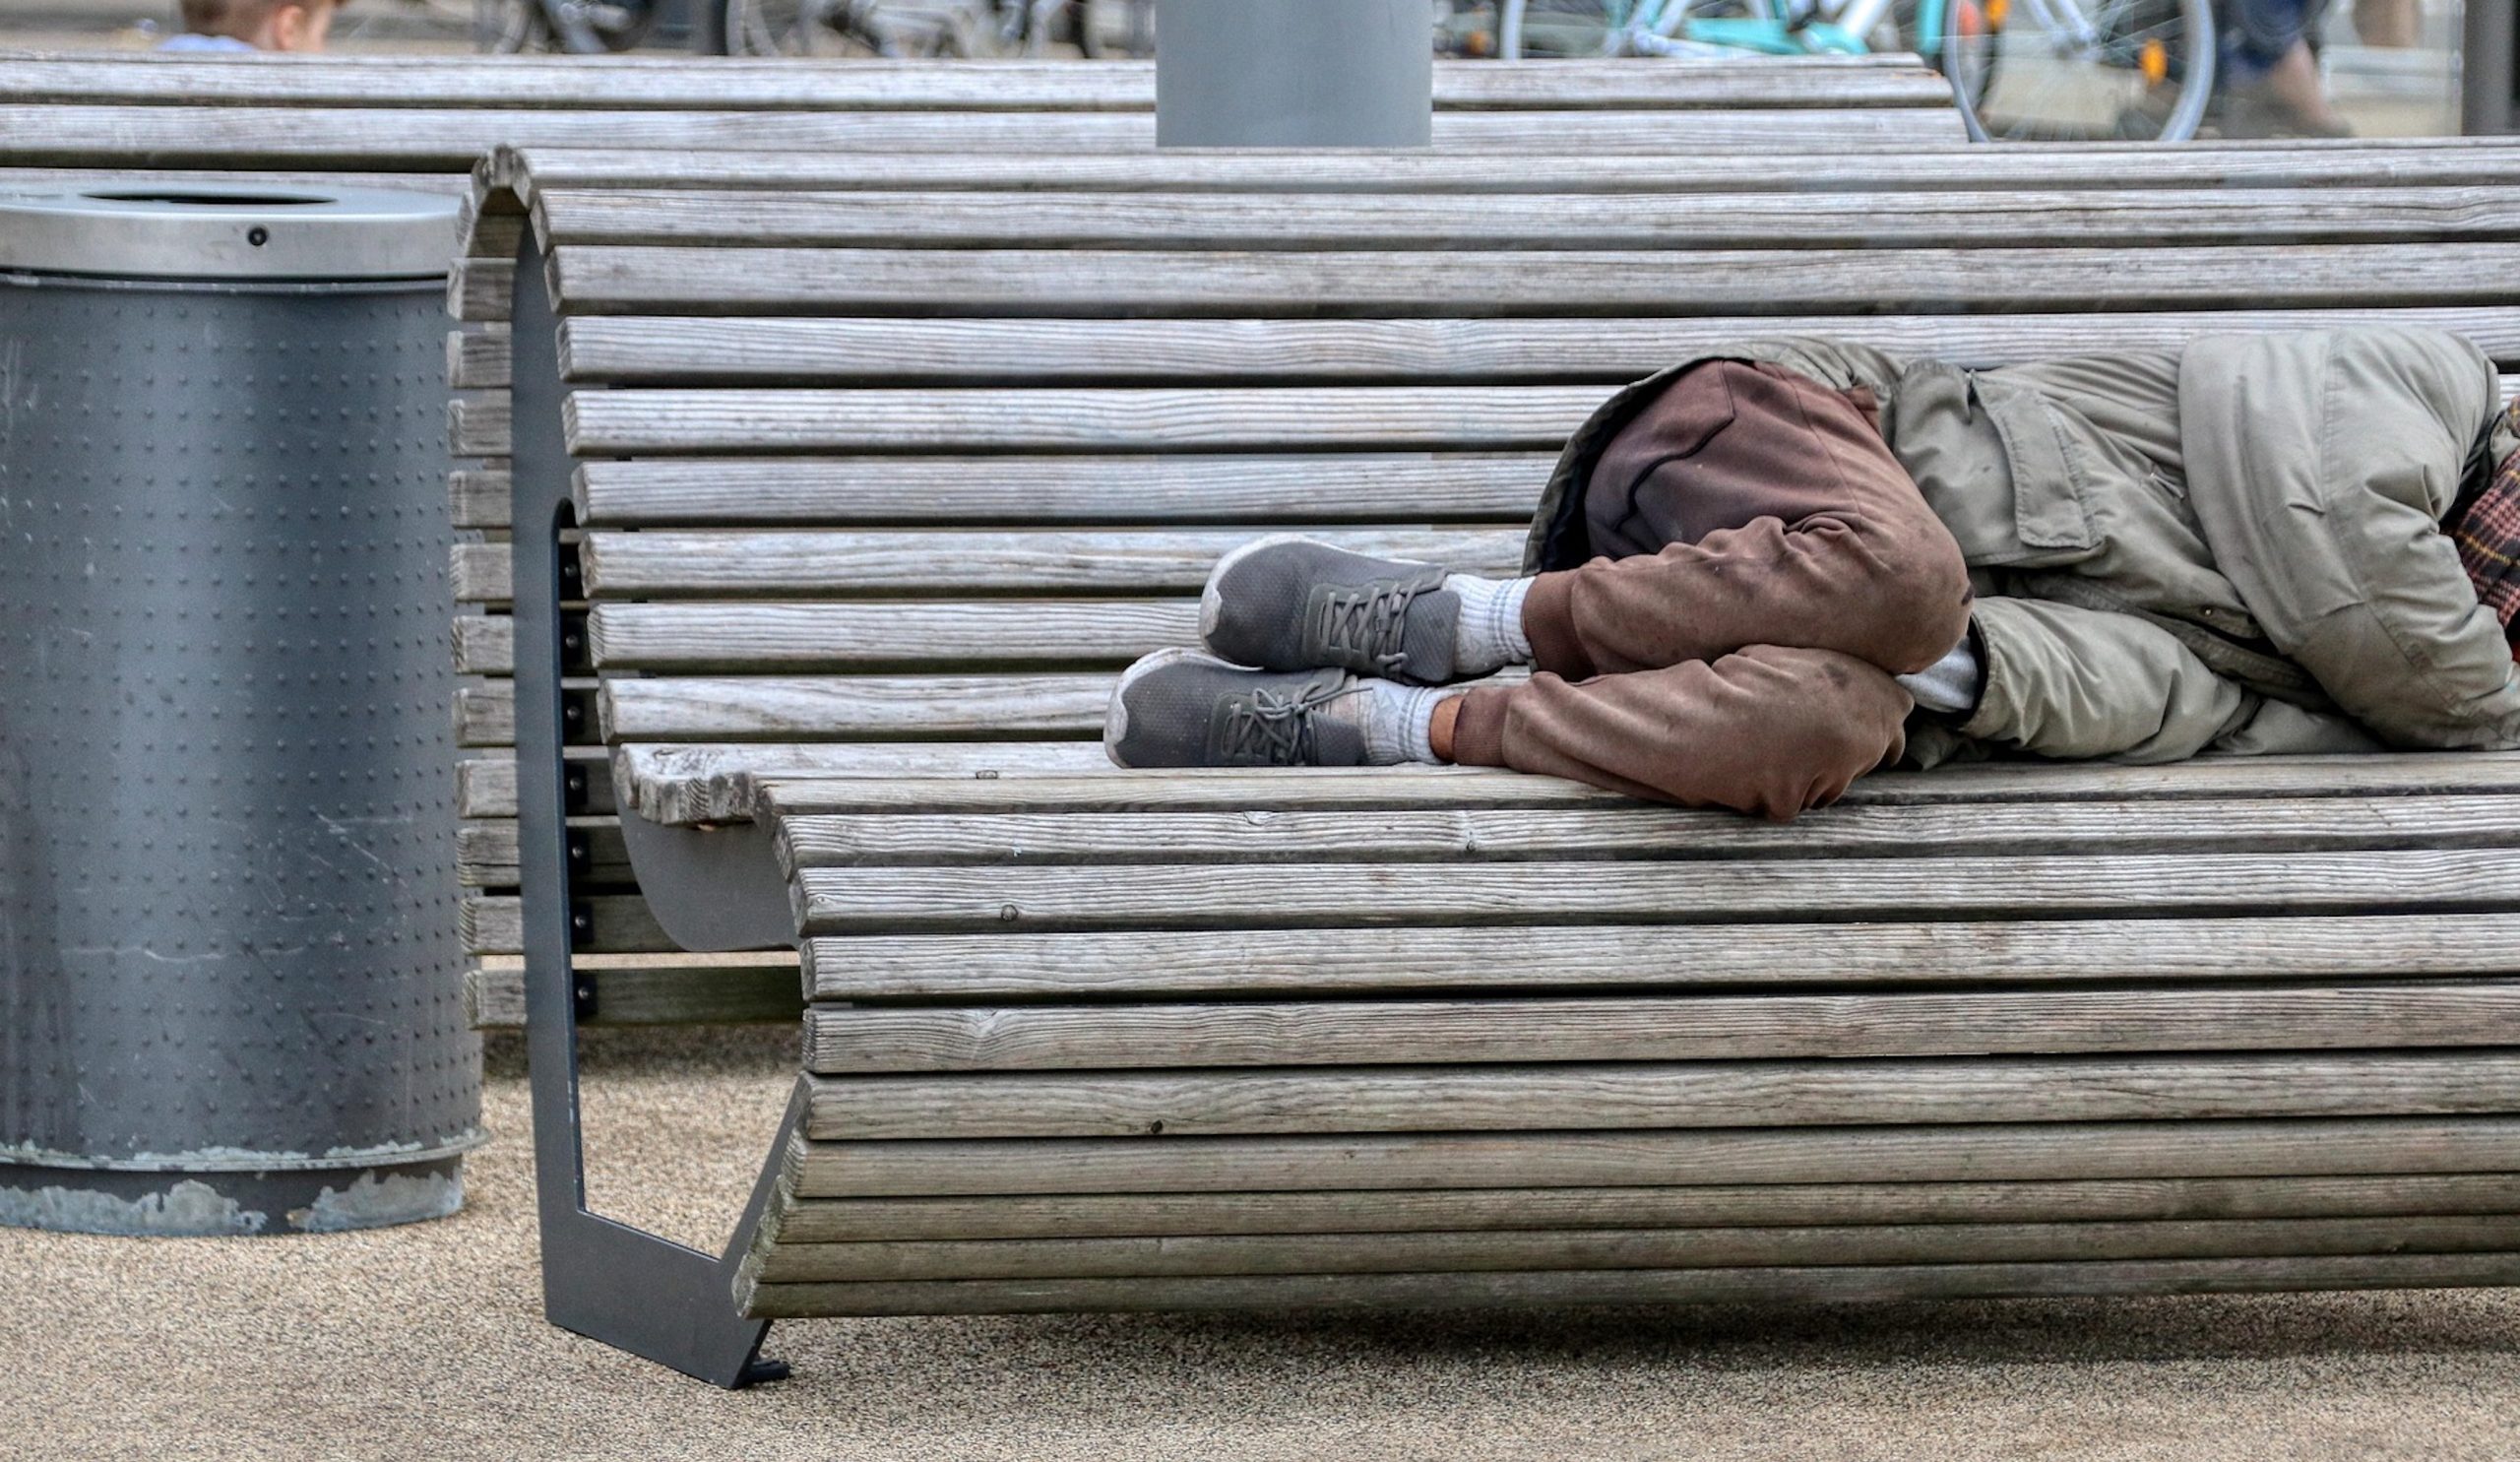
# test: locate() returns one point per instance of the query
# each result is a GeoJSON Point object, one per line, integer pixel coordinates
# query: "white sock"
{"type": "Point", "coordinates": [1396, 720]}
{"type": "Point", "coordinates": [1949, 685]}
{"type": "Point", "coordinates": [1490, 636]}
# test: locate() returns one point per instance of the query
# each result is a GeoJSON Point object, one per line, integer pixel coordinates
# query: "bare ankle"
{"type": "Point", "coordinates": [1439, 730]}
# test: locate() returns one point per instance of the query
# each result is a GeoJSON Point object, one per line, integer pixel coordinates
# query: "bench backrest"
{"type": "Point", "coordinates": [402, 114]}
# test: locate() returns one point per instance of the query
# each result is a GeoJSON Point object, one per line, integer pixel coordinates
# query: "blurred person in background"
{"type": "Point", "coordinates": [2269, 76]}
{"type": "Point", "coordinates": [2270, 80]}
{"type": "Point", "coordinates": [254, 25]}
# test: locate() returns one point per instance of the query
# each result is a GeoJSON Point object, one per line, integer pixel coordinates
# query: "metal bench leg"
{"type": "Point", "coordinates": [602, 1279]}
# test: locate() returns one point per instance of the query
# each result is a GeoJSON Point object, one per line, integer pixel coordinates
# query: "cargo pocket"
{"type": "Point", "coordinates": [1993, 467]}
{"type": "Point", "coordinates": [2051, 493]}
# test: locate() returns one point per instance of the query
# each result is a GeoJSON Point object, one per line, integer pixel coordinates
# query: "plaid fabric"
{"type": "Point", "coordinates": [2488, 539]}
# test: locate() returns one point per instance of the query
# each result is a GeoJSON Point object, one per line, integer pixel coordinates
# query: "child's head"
{"type": "Point", "coordinates": [264, 24]}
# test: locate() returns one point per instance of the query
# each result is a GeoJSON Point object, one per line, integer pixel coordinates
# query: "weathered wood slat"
{"type": "Point", "coordinates": [1703, 1094]}
{"type": "Point", "coordinates": [1009, 490]}
{"type": "Point", "coordinates": [638, 350]}
{"type": "Point", "coordinates": [1675, 168]}
{"type": "Point", "coordinates": [2211, 824]}
{"type": "Point", "coordinates": [845, 900]}
{"type": "Point", "coordinates": [483, 573]}
{"type": "Point", "coordinates": [441, 139]}
{"type": "Point", "coordinates": [1902, 218]}
{"type": "Point", "coordinates": [1975, 1151]}
{"type": "Point", "coordinates": [480, 573]}
{"type": "Point", "coordinates": [494, 923]}
{"type": "Point", "coordinates": [2372, 773]}
{"type": "Point", "coordinates": [478, 425]}
{"type": "Point", "coordinates": [485, 786]}
{"type": "Point", "coordinates": [1285, 419]}
{"type": "Point", "coordinates": [478, 359]}
{"type": "Point", "coordinates": [610, 83]}
{"type": "Point", "coordinates": [479, 496]}
{"type": "Point", "coordinates": [487, 852]}
{"type": "Point", "coordinates": [848, 1042]}
{"type": "Point", "coordinates": [493, 234]}
{"type": "Point", "coordinates": [853, 707]}
{"type": "Point", "coordinates": [1382, 1211]}
{"type": "Point", "coordinates": [1769, 1285]}
{"type": "Point", "coordinates": [1632, 1248]}
{"type": "Point", "coordinates": [724, 784]}
{"type": "Point", "coordinates": [485, 645]}
{"type": "Point", "coordinates": [632, 989]}
{"type": "Point", "coordinates": [1091, 283]}
{"type": "Point", "coordinates": [859, 636]}
{"type": "Point", "coordinates": [1483, 419]}
{"type": "Point", "coordinates": [931, 561]}
{"type": "Point", "coordinates": [481, 291]}
{"type": "Point", "coordinates": [485, 715]}
{"type": "Point", "coordinates": [714, 783]}
{"type": "Point", "coordinates": [492, 225]}
{"type": "Point", "coordinates": [1705, 957]}
{"type": "Point", "coordinates": [485, 712]}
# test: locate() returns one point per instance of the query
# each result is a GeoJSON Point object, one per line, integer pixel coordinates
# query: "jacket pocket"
{"type": "Point", "coordinates": [1995, 467]}
{"type": "Point", "coordinates": [2050, 498]}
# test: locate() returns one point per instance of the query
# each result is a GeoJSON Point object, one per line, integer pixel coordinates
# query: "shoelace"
{"type": "Point", "coordinates": [1368, 623]}
{"type": "Point", "coordinates": [1277, 728]}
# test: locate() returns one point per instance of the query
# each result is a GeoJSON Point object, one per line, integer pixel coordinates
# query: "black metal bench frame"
{"type": "Point", "coordinates": [602, 1278]}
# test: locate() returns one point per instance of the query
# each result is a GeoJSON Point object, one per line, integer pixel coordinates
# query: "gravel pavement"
{"type": "Point", "coordinates": [427, 1343]}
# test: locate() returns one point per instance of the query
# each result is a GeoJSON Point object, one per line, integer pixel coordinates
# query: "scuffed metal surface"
{"type": "Point", "coordinates": [399, 1198]}
{"type": "Point", "coordinates": [229, 1204]}
{"type": "Point", "coordinates": [241, 962]}
{"type": "Point", "coordinates": [187, 1208]}
{"type": "Point", "coordinates": [247, 1159]}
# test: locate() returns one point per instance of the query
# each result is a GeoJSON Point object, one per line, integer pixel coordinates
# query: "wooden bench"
{"type": "Point", "coordinates": [423, 122]}
{"type": "Point", "coordinates": [868, 505]}
{"type": "Point", "coordinates": [2441, 191]}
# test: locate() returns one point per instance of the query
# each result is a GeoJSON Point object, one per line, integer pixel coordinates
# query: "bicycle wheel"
{"type": "Point", "coordinates": [508, 27]}
{"type": "Point", "coordinates": [788, 27]}
{"type": "Point", "coordinates": [1528, 29]}
{"type": "Point", "coordinates": [2080, 70]}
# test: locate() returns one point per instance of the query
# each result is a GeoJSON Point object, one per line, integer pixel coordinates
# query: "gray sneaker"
{"type": "Point", "coordinates": [1287, 603]}
{"type": "Point", "coordinates": [1179, 708]}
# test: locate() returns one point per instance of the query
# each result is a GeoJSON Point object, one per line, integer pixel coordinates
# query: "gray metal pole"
{"type": "Point", "coordinates": [2485, 68]}
{"type": "Point", "coordinates": [1294, 73]}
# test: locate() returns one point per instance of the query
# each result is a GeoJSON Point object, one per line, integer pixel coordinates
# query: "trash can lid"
{"type": "Point", "coordinates": [226, 230]}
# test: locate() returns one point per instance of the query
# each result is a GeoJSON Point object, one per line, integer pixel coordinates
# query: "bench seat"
{"type": "Point", "coordinates": [1228, 1039]}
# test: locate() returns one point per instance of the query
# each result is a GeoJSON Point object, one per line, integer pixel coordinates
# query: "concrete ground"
{"type": "Point", "coordinates": [427, 1342]}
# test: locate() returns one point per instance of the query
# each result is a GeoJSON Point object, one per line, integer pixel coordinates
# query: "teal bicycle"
{"type": "Point", "coordinates": [2046, 70]}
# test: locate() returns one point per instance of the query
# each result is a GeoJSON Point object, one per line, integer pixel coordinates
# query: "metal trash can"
{"type": "Point", "coordinates": [230, 987]}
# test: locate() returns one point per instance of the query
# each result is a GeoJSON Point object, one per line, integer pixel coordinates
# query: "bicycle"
{"type": "Point", "coordinates": [577, 27]}
{"type": "Point", "coordinates": [2049, 70]}
{"type": "Point", "coordinates": [1101, 28]}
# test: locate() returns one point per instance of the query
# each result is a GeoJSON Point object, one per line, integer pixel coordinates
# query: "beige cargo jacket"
{"type": "Point", "coordinates": [2234, 547]}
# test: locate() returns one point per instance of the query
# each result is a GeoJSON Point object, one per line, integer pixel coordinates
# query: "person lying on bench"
{"type": "Point", "coordinates": [1774, 567]}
